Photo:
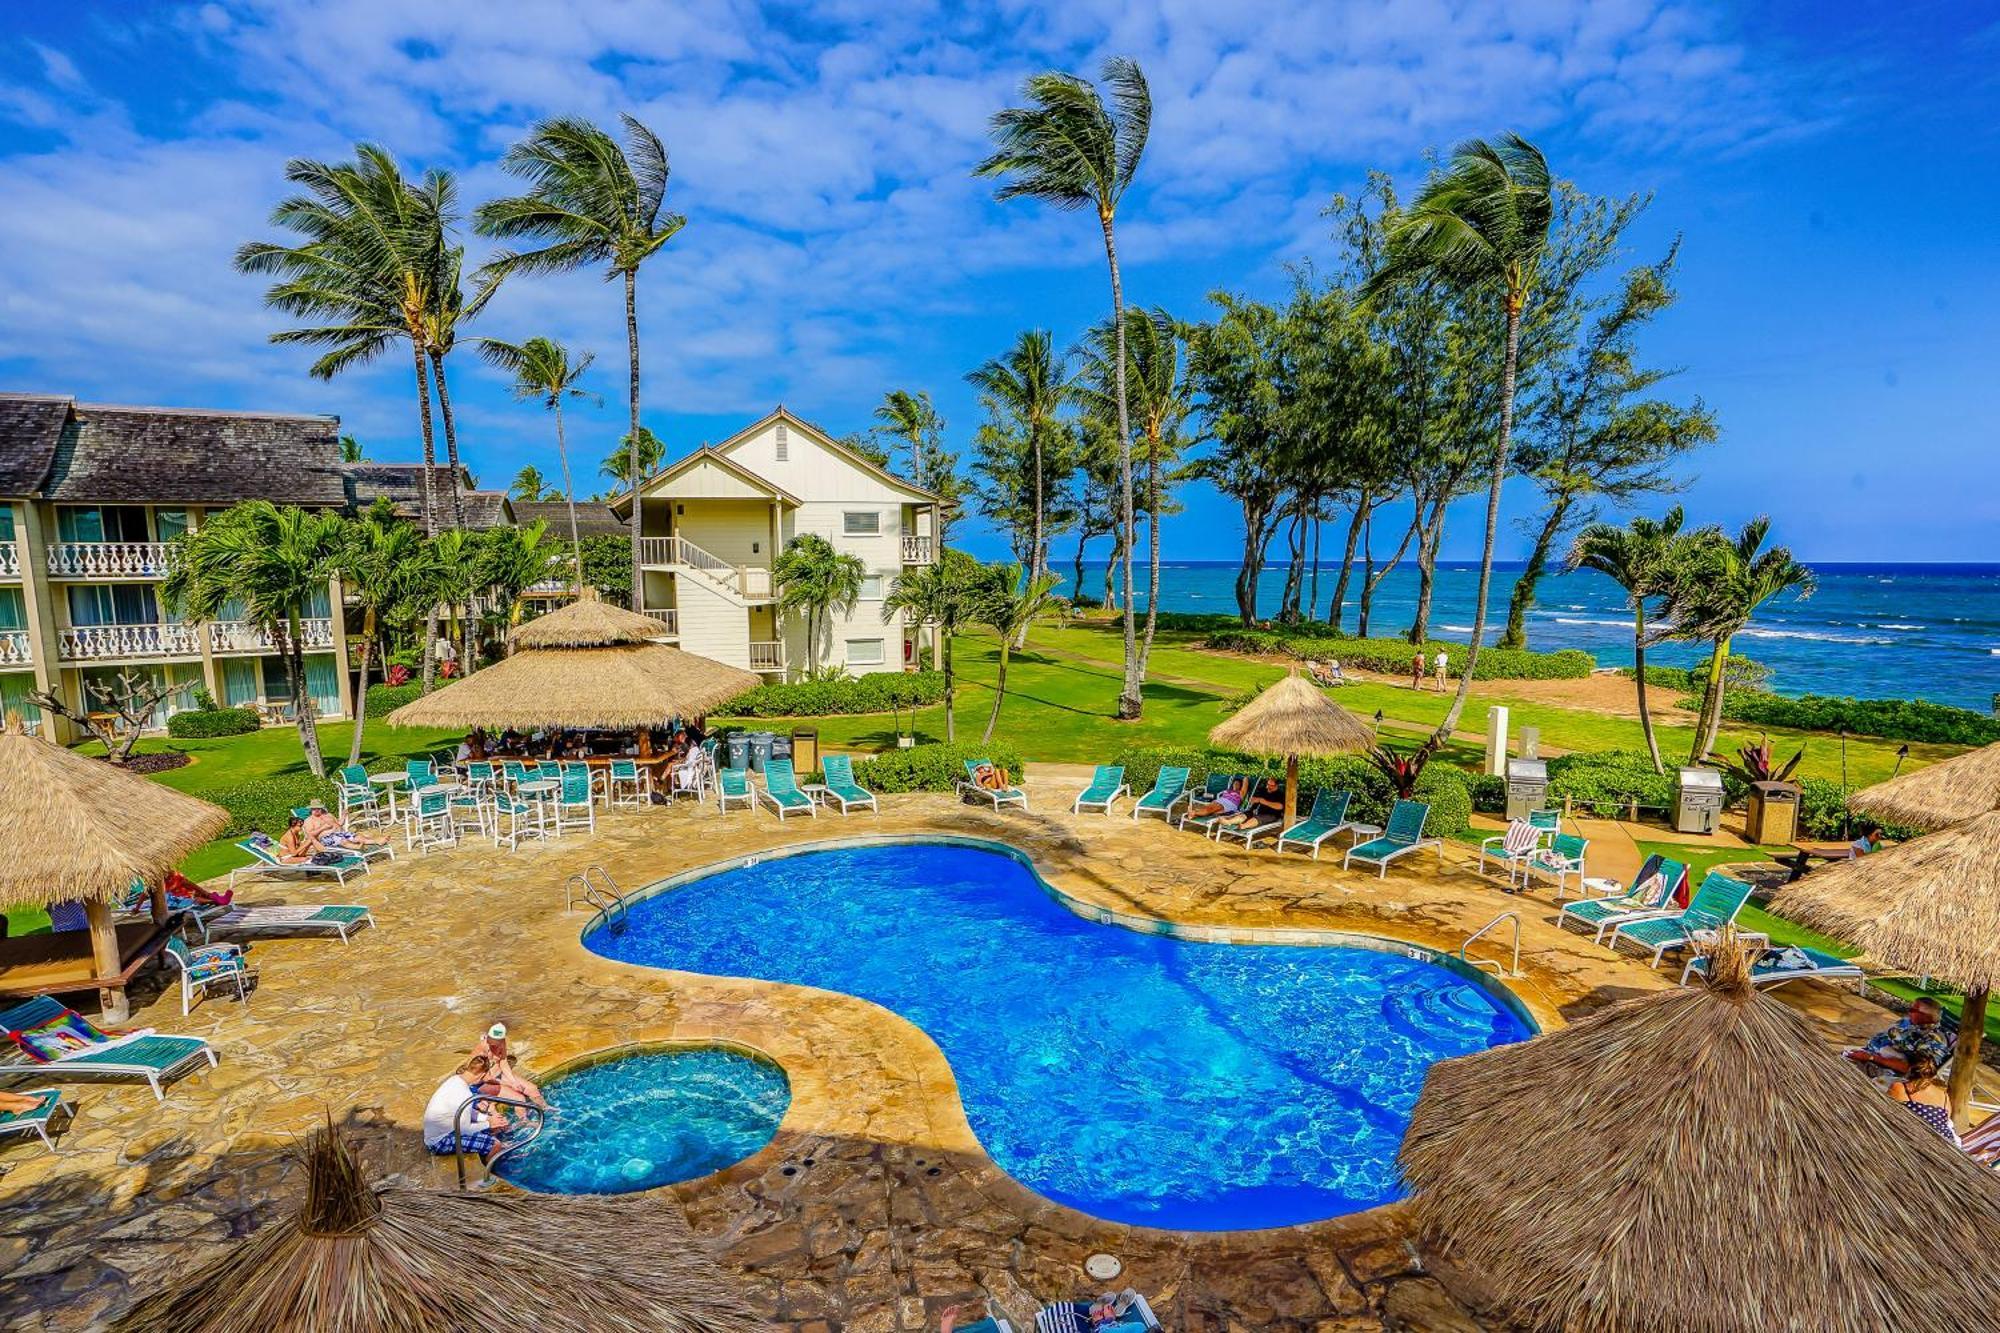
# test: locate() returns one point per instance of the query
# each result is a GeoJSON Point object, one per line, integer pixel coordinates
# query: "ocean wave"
{"type": "Point", "coordinates": [1755, 633]}
{"type": "Point", "coordinates": [1586, 620]}
{"type": "Point", "coordinates": [1891, 624]}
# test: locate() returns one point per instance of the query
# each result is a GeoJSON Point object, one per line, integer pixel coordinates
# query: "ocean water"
{"type": "Point", "coordinates": [1874, 631]}
{"type": "Point", "coordinates": [1135, 1077]}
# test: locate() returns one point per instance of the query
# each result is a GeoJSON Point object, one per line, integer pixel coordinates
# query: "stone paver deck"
{"type": "Point", "coordinates": [873, 1209]}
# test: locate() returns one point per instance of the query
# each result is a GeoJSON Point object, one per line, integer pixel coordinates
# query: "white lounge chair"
{"type": "Point", "coordinates": [1107, 784]}
{"type": "Point", "coordinates": [781, 789]}
{"type": "Point", "coordinates": [94, 1052]}
{"type": "Point", "coordinates": [1063, 1318]}
{"type": "Point", "coordinates": [336, 918]}
{"type": "Point", "coordinates": [1328, 817]}
{"type": "Point", "coordinates": [36, 1119]}
{"type": "Point", "coordinates": [969, 786]}
{"type": "Point", "coordinates": [841, 788]}
{"type": "Point", "coordinates": [270, 867]}
{"type": "Point", "coordinates": [1790, 962]}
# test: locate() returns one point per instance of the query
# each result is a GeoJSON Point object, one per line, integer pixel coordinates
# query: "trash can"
{"type": "Point", "coordinates": [1527, 787]}
{"type": "Point", "coordinates": [805, 749]}
{"type": "Point", "coordinates": [781, 745]}
{"type": "Point", "coordinates": [739, 749]}
{"type": "Point", "coordinates": [760, 749]}
{"type": "Point", "coordinates": [1698, 801]}
{"type": "Point", "coordinates": [1774, 812]}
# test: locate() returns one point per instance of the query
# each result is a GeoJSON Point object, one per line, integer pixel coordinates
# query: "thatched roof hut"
{"type": "Point", "coordinates": [1936, 795]}
{"type": "Point", "coordinates": [1929, 907]}
{"type": "Point", "coordinates": [1288, 719]}
{"type": "Point", "coordinates": [360, 1260]}
{"type": "Point", "coordinates": [587, 622]}
{"type": "Point", "coordinates": [1696, 1160]}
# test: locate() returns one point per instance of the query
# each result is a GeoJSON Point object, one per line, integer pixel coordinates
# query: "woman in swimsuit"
{"type": "Point", "coordinates": [1926, 1097]}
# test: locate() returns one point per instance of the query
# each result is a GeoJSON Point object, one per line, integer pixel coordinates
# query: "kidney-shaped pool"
{"type": "Point", "coordinates": [1137, 1077]}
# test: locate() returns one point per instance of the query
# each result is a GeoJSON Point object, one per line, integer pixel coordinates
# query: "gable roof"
{"type": "Point", "coordinates": [707, 454]}
{"type": "Point", "coordinates": [820, 437]}
{"type": "Point", "coordinates": [29, 426]}
{"type": "Point", "coordinates": [594, 518]}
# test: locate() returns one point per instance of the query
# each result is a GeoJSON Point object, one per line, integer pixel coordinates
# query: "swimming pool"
{"type": "Point", "coordinates": [637, 1120]}
{"type": "Point", "coordinates": [1137, 1077]}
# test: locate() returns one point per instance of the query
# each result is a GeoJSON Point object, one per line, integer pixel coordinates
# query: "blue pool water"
{"type": "Point", "coordinates": [651, 1118]}
{"type": "Point", "coordinates": [1135, 1077]}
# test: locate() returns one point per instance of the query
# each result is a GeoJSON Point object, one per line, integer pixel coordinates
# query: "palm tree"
{"type": "Point", "coordinates": [511, 561]}
{"type": "Point", "coordinates": [1723, 582]}
{"type": "Point", "coordinates": [270, 561]}
{"type": "Point", "coordinates": [589, 203]}
{"type": "Point", "coordinates": [1480, 227]}
{"type": "Point", "coordinates": [911, 418]}
{"type": "Point", "coordinates": [373, 564]}
{"type": "Point", "coordinates": [1641, 558]}
{"type": "Point", "coordinates": [635, 459]}
{"type": "Point", "coordinates": [530, 486]}
{"type": "Point", "coordinates": [350, 449]}
{"type": "Point", "coordinates": [446, 310]}
{"type": "Point", "coordinates": [542, 369]}
{"type": "Point", "coordinates": [450, 573]}
{"type": "Point", "coordinates": [1028, 388]}
{"type": "Point", "coordinates": [947, 597]}
{"type": "Point", "coordinates": [814, 578]}
{"type": "Point", "coordinates": [1013, 600]}
{"type": "Point", "coordinates": [1069, 150]}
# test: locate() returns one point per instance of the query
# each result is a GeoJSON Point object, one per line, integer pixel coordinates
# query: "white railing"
{"type": "Point", "coordinates": [749, 581]}
{"type": "Point", "coordinates": [15, 648]}
{"type": "Point", "coordinates": [245, 636]}
{"type": "Point", "coordinates": [918, 551]}
{"type": "Point", "coordinates": [82, 643]}
{"type": "Point", "coordinates": [666, 615]}
{"type": "Point", "coordinates": [767, 657]}
{"type": "Point", "coordinates": [10, 560]}
{"type": "Point", "coordinates": [550, 588]}
{"type": "Point", "coordinates": [108, 560]}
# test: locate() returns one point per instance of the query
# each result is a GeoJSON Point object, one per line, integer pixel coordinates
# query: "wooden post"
{"type": "Point", "coordinates": [105, 960]}
{"type": "Point", "coordinates": [1291, 788]}
{"type": "Point", "coordinates": [158, 896]}
{"type": "Point", "coordinates": [1965, 1056]}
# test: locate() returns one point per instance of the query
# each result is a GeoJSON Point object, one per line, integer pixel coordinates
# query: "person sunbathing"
{"type": "Point", "coordinates": [1265, 804]}
{"type": "Point", "coordinates": [482, 1130]}
{"type": "Point", "coordinates": [325, 833]}
{"type": "Point", "coordinates": [13, 1103]}
{"type": "Point", "coordinates": [1225, 803]}
{"type": "Point", "coordinates": [294, 848]}
{"type": "Point", "coordinates": [507, 1079]}
{"type": "Point", "coordinates": [990, 776]}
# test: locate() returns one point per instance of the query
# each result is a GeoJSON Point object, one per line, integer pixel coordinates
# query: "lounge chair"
{"type": "Point", "coordinates": [1107, 784]}
{"type": "Point", "coordinates": [1652, 893]}
{"type": "Point", "coordinates": [1063, 1318]}
{"type": "Point", "coordinates": [365, 853]}
{"type": "Point", "coordinates": [1982, 1141]}
{"type": "Point", "coordinates": [35, 1120]}
{"type": "Point", "coordinates": [1404, 833]}
{"type": "Point", "coordinates": [208, 966]}
{"type": "Point", "coordinates": [1169, 790]}
{"type": "Point", "coordinates": [1212, 787]}
{"type": "Point", "coordinates": [267, 863]}
{"type": "Point", "coordinates": [1328, 817]}
{"type": "Point", "coordinates": [842, 789]}
{"type": "Point", "coordinates": [53, 1037]}
{"type": "Point", "coordinates": [1715, 905]}
{"type": "Point", "coordinates": [1790, 962]}
{"type": "Point", "coordinates": [733, 784]}
{"type": "Point", "coordinates": [1266, 826]}
{"type": "Point", "coordinates": [1561, 861]}
{"type": "Point", "coordinates": [138, 906]}
{"type": "Point", "coordinates": [781, 789]}
{"type": "Point", "coordinates": [969, 786]}
{"type": "Point", "coordinates": [339, 918]}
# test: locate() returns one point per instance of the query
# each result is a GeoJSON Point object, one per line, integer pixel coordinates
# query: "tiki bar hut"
{"type": "Point", "coordinates": [584, 666]}
{"type": "Point", "coordinates": [1291, 718]}
{"type": "Point", "coordinates": [1937, 795]}
{"type": "Point", "coordinates": [79, 829]}
{"type": "Point", "coordinates": [1929, 907]}
{"type": "Point", "coordinates": [357, 1259]}
{"type": "Point", "coordinates": [1696, 1160]}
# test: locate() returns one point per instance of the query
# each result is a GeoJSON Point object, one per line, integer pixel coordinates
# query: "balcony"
{"type": "Point", "coordinates": [10, 560]}
{"type": "Point", "coordinates": [108, 560]}
{"type": "Point", "coordinates": [919, 550]}
{"type": "Point", "coordinates": [750, 582]}
{"type": "Point", "coordinates": [767, 656]}
{"type": "Point", "coordinates": [666, 615]}
{"type": "Point", "coordinates": [15, 648]}
{"type": "Point", "coordinates": [96, 643]}
{"type": "Point", "coordinates": [243, 636]}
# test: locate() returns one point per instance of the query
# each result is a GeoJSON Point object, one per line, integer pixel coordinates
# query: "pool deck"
{"type": "Point", "coordinates": [874, 1208]}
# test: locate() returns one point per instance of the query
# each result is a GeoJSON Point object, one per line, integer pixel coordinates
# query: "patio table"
{"type": "Point", "coordinates": [389, 781]}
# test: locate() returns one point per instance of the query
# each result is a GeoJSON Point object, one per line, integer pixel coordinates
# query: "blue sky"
{"type": "Point", "coordinates": [1832, 170]}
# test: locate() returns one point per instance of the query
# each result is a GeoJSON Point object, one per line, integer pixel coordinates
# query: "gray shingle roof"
{"type": "Point", "coordinates": [29, 427]}
{"type": "Point", "coordinates": [141, 455]}
{"type": "Point", "coordinates": [593, 518]}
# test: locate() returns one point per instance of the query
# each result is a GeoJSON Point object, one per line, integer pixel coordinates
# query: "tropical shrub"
{"type": "Point", "coordinates": [1489, 793]}
{"type": "Point", "coordinates": [266, 804]}
{"type": "Point", "coordinates": [202, 699]}
{"type": "Point", "coordinates": [878, 693]}
{"type": "Point", "coordinates": [386, 699]}
{"type": "Point", "coordinates": [1893, 719]}
{"type": "Point", "coordinates": [1392, 656]}
{"type": "Point", "coordinates": [930, 767]}
{"type": "Point", "coordinates": [1442, 787]}
{"type": "Point", "coordinates": [1448, 792]}
{"type": "Point", "coordinates": [198, 723]}
{"type": "Point", "coordinates": [1606, 779]}
{"type": "Point", "coordinates": [1821, 807]}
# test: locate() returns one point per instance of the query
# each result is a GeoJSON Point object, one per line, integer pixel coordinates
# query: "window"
{"type": "Point", "coordinates": [170, 523]}
{"type": "Point", "coordinates": [863, 523]}
{"type": "Point", "coordinates": [864, 652]}
{"type": "Point", "coordinates": [112, 604]}
{"type": "Point", "coordinates": [6, 522]}
{"type": "Point", "coordinates": [13, 609]}
{"type": "Point", "coordinates": [871, 587]}
{"type": "Point", "coordinates": [106, 523]}
{"type": "Point", "coordinates": [784, 443]}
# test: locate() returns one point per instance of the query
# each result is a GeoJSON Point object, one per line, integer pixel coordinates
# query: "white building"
{"type": "Point", "coordinates": [712, 525]}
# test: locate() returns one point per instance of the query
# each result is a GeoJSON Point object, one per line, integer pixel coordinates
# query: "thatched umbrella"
{"type": "Point", "coordinates": [1929, 907]}
{"type": "Point", "coordinates": [587, 622]}
{"type": "Point", "coordinates": [79, 828]}
{"type": "Point", "coordinates": [1291, 718]}
{"type": "Point", "coordinates": [1936, 795]}
{"type": "Point", "coordinates": [1697, 1160]}
{"type": "Point", "coordinates": [360, 1260]}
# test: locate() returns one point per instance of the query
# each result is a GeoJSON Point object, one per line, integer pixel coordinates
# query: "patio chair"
{"type": "Point", "coordinates": [359, 802]}
{"type": "Point", "coordinates": [1561, 861]}
{"type": "Point", "coordinates": [339, 918]}
{"type": "Point", "coordinates": [1715, 905]}
{"type": "Point", "coordinates": [574, 806]}
{"type": "Point", "coordinates": [52, 1036]}
{"type": "Point", "coordinates": [515, 772]}
{"type": "Point", "coordinates": [1107, 784]}
{"type": "Point", "coordinates": [1652, 892]}
{"type": "Point", "coordinates": [1790, 962]}
{"type": "Point", "coordinates": [265, 854]}
{"type": "Point", "coordinates": [781, 789]}
{"type": "Point", "coordinates": [204, 968]}
{"type": "Point", "coordinates": [35, 1120]}
{"type": "Point", "coordinates": [515, 818]}
{"type": "Point", "coordinates": [969, 786]}
{"type": "Point", "coordinates": [841, 788]}
{"type": "Point", "coordinates": [428, 820]}
{"type": "Point", "coordinates": [593, 777]}
{"type": "Point", "coordinates": [1169, 790]}
{"type": "Point", "coordinates": [626, 777]}
{"type": "Point", "coordinates": [1063, 1316]}
{"type": "Point", "coordinates": [1511, 848]}
{"type": "Point", "coordinates": [480, 776]}
{"type": "Point", "coordinates": [421, 773]}
{"type": "Point", "coordinates": [733, 784]}
{"type": "Point", "coordinates": [1404, 833]}
{"type": "Point", "coordinates": [1212, 787]}
{"type": "Point", "coordinates": [1328, 817]}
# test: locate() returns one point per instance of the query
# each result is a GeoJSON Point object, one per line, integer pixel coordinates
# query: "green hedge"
{"type": "Point", "coordinates": [1820, 809]}
{"type": "Point", "coordinates": [877, 693]}
{"type": "Point", "coordinates": [1489, 793]}
{"type": "Point", "coordinates": [386, 699]}
{"type": "Point", "coordinates": [1666, 677]}
{"type": "Point", "coordinates": [1892, 719]}
{"type": "Point", "coordinates": [1445, 789]}
{"type": "Point", "coordinates": [266, 804]}
{"type": "Point", "coordinates": [197, 723]}
{"type": "Point", "coordinates": [1392, 656]}
{"type": "Point", "coordinates": [930, 767]}
{"type": "Point", "coordinates": [1605, 779]}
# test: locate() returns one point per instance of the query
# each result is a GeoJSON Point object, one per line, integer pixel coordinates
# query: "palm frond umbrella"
{"type": "Point", "coordinates": [80, 829]}
{"type": "Point", "coordinates": [1288, 719]}
{"type": "Point", "coordinates": [1936, 795]}
{"type": "Point", "coordinates": [1929, 907]}
{"type": "Point", "coordinates": [1696, 1160]}
{"type": "Point", "coordinates": [587, 622]}
{"type": "Point", "coordinates": [356, 1259]}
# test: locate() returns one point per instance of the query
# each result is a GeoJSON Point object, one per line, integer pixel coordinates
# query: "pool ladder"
{"type": "Point", "coordinates": [1515, 970]}
{"type": "Point", "coordinates": [458, 1130]}
{"type": "Point", "coordinates": [602, 893]}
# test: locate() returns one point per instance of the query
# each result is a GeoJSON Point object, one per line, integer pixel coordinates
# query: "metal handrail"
{"type": "Point", "coordinates": [458, 1129]}
{"type": "Point", "coordinates": [1515, 971]}
{"type": "Point", "coordinates": [607, 898]}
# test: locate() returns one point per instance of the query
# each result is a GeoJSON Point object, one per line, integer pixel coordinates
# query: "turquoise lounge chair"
{"type": "Point", "coordinates": [365, 853]}
{"type": "Point", "coordinates": [1791, 962]}
{"type": "Point", "coordinates": [1328, 817]}
{"type": "Point", "coordinates": [339, 918]}
{"type": "Point", "coordinates": [1107, 784]}
{"type": "Point", "coordinates": [268, 864]}
{"type": "Point", "coordinates": [1651, 893]}
{"type": "Point", "coordinates": [35, 1120]}
{"type": "Point", "coordinates": [841, 788]}
{"type": "Point", "coordinates": [1405, 833]}
{"type": "Point", "coordinates": [781, 789]}
{"type": "Point", "coordinates": [1212, 786]}
{"type": "Point", "coordinates": [140, 1053]}
{"type": "Point", "coordinates": [733, 784]}
{"type": "Point", "coordinates": [1169, 790]}
{"type": "Point", "coordinates": [1715, 905]}
{"type": "Point", "coordinates": [969, 786]}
